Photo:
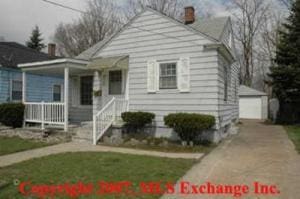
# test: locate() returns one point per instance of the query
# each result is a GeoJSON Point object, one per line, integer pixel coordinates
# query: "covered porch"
{"type": "Point", "coordinates": [71, 100]}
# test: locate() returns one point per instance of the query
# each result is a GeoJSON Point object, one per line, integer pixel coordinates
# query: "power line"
{"type": "Point", "coordinates": [64, 6]}
{"type": "Point", "coordinates": [139, 28]}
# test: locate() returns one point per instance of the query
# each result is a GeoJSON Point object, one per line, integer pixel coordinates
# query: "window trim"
{"type": "Point", "coordinates": [122, 82]}
{"type": "Point", "coordinates": [159, 74]}
{"type": "Point", "coordinates": [11, 90]}
{"type": "Point", "coordinates": [61, 92]}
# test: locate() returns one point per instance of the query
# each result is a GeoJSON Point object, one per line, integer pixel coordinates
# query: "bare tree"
{"type": "Point", "coordinates": [248, 18]}
{"type": "Point", "coordinates": [101, 19]}
{"type": "Point", "coordinates": [171, 8]}
{"type": "Point", "coordinates": [287, 3]}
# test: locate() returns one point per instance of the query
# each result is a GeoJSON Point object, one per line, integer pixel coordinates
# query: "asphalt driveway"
{"type": "Point", "coordinates": [259, 153]}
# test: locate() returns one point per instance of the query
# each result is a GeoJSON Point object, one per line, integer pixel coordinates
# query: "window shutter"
{"type": "Point", "coordinates": [152, 76]}
{"type": "Point", "coordinates": [184, 74]}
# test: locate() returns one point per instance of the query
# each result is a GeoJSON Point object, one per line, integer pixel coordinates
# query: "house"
{"type": "Point", "coordinates": [155, 64]}
{"type": "Point", "coordinates": [39, 88]}
{"type": "Point", "coordinates": [253, 104]}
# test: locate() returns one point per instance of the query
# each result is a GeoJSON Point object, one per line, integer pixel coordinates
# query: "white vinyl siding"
{"type": "Point", "coordinates": [146, 50]}
{"type": "Point", "coordinates": [228, 110]}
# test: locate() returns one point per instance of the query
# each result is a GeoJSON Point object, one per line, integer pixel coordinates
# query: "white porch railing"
{"type": "Point", "coordinates": [110, 113]}
{"type": "Point", "coordinates": [45, 113]}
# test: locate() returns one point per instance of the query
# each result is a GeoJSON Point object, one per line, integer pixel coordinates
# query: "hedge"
{"type": "Point", "coordinates": [189, 125]}
{"type": "Point", "coordinates": [12, 114]}
{"type": "Point", "coordinates": [135, 121]}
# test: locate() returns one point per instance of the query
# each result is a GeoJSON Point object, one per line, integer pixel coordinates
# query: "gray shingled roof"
{"type": "Point", "coordinates": [247, 91]}
{"type": "Point", "coordinates": [12, 54]}
{"type": "Point", "coordinates": [213, 27]}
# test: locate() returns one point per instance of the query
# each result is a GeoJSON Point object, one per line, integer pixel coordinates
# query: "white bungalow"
{"type": "Point", "coordinates": [154, 64]}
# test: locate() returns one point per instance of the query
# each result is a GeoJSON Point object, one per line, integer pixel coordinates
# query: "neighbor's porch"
{"type": "Point", "coordinates": [71, 101]}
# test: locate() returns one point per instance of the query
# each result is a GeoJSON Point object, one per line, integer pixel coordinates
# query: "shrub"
{"type": "Point", "coordinates": [189, 125]}
{"type": "Point", "coordinates": [135, 121]}
{"type": "Point", "coordinates": [12, 114]}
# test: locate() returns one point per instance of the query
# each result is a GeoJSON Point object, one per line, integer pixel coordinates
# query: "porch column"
{"type": "Point", "coordinates": [66, 98]}
{"type": "Point", "coordinates": [23, 86]}
{"type": "Point", "coordinates": [97, 94]}
{"type": "Point", "coordinates": [24, 95]}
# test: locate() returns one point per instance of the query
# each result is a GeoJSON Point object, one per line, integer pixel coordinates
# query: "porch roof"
{"type": "Point", "coordinates": [109, 62]}
{"type": "Point", "coordinates": [55, 67]}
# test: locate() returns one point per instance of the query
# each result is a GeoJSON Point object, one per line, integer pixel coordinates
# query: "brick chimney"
{"type": "Point", "coordinates": [189, 16]}
{"type": "Point", "coordinates": [51, 49]}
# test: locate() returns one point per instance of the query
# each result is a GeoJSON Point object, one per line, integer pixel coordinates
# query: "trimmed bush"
{"type": "Point", "coordinates": [189, 125]}
{"type": "Point", "coordinates": [12, 114]}
{"type": "Point", "coordinates": [135, 121]}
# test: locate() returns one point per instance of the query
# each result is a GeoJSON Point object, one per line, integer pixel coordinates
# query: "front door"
{"type": "Point", "coordinates": [86, 90]}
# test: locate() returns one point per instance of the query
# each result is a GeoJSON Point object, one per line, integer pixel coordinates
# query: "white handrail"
{"type": "Point", "coordinates": [106, 117]}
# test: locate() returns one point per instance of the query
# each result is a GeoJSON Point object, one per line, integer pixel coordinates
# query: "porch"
{"type": "Point", "coordinates": [68, 104]}
{"type": "Point", "coordinates": [91, 91]}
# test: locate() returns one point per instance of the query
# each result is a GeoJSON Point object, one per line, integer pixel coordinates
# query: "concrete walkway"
{"type": "Point", "coordinates": [84, 147]}
{"type": "Point", "coordinates": [261, 153]}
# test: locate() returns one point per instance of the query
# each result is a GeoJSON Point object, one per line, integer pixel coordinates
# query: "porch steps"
{"type": "Point", "coordinates": [83, 133]}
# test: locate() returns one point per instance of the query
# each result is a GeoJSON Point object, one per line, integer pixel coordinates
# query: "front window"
{"type": "Point", "coordinates": [167, 76]}
{"type": "Point", "coordinates": [16, 90]}
{"type": "Point", "coordinates": [57, 93]}
{"type": "Point", "coordinates": [115, 82]}
{"type": "Point", "coordinates": [86, 90]}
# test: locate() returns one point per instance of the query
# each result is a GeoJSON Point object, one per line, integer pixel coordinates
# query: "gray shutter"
{"type": "Point", "coordinates": [151, 76]}
{"type": "Point", "coordinates": [184, 74]}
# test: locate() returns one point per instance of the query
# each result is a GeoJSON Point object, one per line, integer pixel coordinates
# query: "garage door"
{"type": "Point", "coordinates": [251, 108]}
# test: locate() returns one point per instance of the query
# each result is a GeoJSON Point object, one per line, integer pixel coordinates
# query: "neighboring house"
{"type": "Point", "coordinates": [39, 88]}
{"type": "Point", "coordinates": [155, 64]}
{"type": "Point", "coordinates": [253, 104]}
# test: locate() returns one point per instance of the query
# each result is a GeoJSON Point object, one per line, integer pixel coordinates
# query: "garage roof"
{"type": "Point", "coordinates": [247, 91]}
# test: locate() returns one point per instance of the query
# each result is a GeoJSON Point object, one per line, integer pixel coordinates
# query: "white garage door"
{"type": "Point", "coordinates": [251, 108]}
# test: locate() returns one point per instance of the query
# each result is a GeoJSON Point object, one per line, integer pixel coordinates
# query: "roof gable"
{"type": "Point", "coordinates": [91, 52]}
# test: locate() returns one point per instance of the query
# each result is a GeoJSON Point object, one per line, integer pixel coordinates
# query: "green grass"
{"type": "Point", "coordinates": [92, 167]}
{"type": "Point", "coordinates": [15, 144]}
{"type": "Point", "coordinates": [172, 148]}
{"type": "Point", "coordinates": [294, 135]}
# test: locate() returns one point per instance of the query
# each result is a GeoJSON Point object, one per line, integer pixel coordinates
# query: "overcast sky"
{"type": "Point", "coordinates": [18, 17]}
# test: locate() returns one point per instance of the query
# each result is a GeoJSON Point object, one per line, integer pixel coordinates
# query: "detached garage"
{"type": "Point", "coordinates": [253, 103]}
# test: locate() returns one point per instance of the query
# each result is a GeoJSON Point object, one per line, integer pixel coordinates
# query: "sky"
{"type": "Point", "coordinates": [18, 17]}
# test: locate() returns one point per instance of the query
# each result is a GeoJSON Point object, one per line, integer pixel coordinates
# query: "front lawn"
{"type": "Point", "coordinates": [294, 135]}
{"type": "Point", "coordinates": [92, 167]}
{"type": "Point", "coordinates": [170, 148]}
{"type": "Point", "coordinates": [15, 144]}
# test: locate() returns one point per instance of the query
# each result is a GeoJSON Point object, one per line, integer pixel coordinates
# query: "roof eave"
{"type": "Point", "coordinates": [51, 62]}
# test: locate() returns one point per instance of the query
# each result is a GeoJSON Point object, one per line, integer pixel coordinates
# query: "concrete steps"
{"type": "Point", "coordinates": [83, 133]}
